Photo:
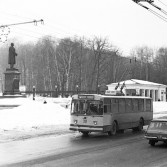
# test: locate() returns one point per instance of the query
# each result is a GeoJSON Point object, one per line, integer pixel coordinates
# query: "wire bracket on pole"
{"type": "Point", "coordinates": [5, 30]}
{"type": "Point", "coordinates": [34, 21]}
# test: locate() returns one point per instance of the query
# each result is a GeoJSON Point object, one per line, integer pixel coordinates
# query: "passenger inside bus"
{"type": "Point", "coordinates": [93, 109]}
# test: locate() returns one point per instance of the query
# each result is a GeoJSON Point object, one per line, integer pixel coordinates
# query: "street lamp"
{"type": "Point", "coordinates": [98, 89]}
{"type": "Point", "coordinates": [56, 95]}
{"type": "Point", "coordinates": [77, 88]}
{"type": "Point", "coordinates": [33, 91]}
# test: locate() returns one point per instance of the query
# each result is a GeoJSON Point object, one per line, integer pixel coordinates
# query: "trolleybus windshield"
{"type": "Point", "coordinates": [87, 107]}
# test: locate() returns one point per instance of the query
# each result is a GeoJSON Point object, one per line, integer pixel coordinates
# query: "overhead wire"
{"type": "Point", "coordinates": [47, 28]}
{"type": "Point", "coordinates": [163, 11]}
{"type": "Point", "coordinates": [62, 28]}
{"type": "Point", "coordinates": [18, 22]}
{"type": "Point", "coordinates": [57, 30]}
{"type": "Point", "coordinates": [26, 34]}
{"type": "Point", "coordinates": [162, 3]}
{"type": "Point", "coordinates": [14, 15]}
{"type": "Point", "coordinates": [55, 37]}
{"type": "Point", "coordinates": [158, 15]}
{"type": "Point", "coordinates": [54, 30]}
{"type": "Point", "coordinates": [14, 24]}
{"type": "Point", "coordinates": [152, 11]}
{"type": "Point", "coordinates": [67, 28]}
{"type": "Point", "coordinates": [44, 29]}
{"type": "Point", "coordinates": [2, 35]}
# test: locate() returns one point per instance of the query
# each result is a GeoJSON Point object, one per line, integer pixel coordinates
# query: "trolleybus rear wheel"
{"type": "Point", "coordinates": [141, 124]}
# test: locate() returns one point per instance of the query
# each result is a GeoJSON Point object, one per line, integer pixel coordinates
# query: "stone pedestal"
{"type": "Point", "coordinates": [12, 79]}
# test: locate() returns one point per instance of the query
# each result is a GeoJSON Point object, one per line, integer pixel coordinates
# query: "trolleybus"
{"type": "Point", "coordinates": [108, 113]}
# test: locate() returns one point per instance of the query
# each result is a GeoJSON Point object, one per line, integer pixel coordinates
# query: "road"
{"type": "Point", "coordinates": [74, 150]}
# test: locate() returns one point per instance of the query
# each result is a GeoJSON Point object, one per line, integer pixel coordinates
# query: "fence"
{"type": "Point", "coordinates": [58, 93]}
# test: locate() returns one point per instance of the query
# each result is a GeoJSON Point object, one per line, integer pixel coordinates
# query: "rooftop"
{"type": "Point", "coordinates": [136, 81]}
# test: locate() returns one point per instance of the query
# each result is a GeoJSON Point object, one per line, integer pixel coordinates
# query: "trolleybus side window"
{"type": "Point", "coordinates": [107, 105]}
{"type": "Point", "coordinates": [105, 108]}
{"type": "Point", "coordinates": [107, 101]}
{"type": "Point", "coordinates": [128, 105]}
{"type": "Point", "coordinates": [135, 105]}
{"type": "Point", "coordinates": [121, 105]}
{"type": "Point", "coordinates": [114, 105]}
{"type": "Point", "coordinates": [141, 105]}
{"type": "Point", "coordinates": [148, 105]}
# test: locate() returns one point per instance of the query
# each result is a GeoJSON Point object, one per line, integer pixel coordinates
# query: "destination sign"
{"type": "Point", "coordinates": [86, 97]}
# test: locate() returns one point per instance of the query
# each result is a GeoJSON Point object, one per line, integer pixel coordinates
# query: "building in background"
{"type": "Point", "coordinates": [134, 87]}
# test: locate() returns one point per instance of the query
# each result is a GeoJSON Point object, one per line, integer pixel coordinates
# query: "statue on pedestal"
{"type": "Point", "coordinates": [12, 75]}
{"type": "Point", "coordinates": [12, 56]}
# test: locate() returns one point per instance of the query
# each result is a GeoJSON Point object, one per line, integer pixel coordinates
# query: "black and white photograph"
{"type": "Point", "coordinates": [83, 83]}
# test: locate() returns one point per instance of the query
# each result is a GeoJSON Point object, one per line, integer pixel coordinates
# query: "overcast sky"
{"type": "Point", "coordinates": [123, 22]}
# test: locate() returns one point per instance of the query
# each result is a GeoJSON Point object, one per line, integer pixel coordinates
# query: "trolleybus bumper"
{"type": "Point", "coordinates": [87, 128]}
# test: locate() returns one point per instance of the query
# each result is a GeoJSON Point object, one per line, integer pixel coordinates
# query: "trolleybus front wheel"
{"type": "Point", "coordinates": [85, 133]}
{"type": "Point", "coordinates": [113, 129]}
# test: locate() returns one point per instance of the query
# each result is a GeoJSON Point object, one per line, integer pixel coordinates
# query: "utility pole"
{"type": "Point", "coordinates": [80, 72]}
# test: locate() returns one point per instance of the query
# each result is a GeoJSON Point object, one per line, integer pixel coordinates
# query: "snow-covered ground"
{"type": "Point", "coordinates": [159, 110]}
{"type": "Point", "coordinates": [34, 118]}
{"type": "Point", "coordinates": [32, 113]}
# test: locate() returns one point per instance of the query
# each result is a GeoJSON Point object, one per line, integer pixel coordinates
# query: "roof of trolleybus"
{"type": "Point", "coordinates": [99, 97]}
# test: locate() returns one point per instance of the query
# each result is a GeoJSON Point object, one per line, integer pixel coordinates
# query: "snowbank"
{"type": "Point", "coordinates": [159, 109]}
{"type": "Point", "coordinates": [34, 113]}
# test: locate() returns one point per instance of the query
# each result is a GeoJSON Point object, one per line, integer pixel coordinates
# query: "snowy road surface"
{"type": "Point", "coordinates": [72, 150]}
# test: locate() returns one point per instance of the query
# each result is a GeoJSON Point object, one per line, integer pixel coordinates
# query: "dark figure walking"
{"type": "Point", "coordinates": [12, 55]}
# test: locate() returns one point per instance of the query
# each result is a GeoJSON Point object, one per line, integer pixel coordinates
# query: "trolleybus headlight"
{"type": "Point", "coordinates": [95, 122]}
{"type": "Point", "coordinates": [75, 121]}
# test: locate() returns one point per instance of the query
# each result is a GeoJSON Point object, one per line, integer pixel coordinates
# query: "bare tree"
{"type": "Point", "coordinates": [144, 55]}
{"type": "Point", "coordinates": [66, 52]}
{"type": "Point", "coordinates": [98, 47]}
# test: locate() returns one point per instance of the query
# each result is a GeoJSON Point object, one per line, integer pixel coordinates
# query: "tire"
{"type": "Point", "coordinates": [165, 142]}
{"type": "Point", "coordinates": [85, 133]}
{"type": "Point", "coordinates": [120, 131]}
{"type": "Point", "coordinates": [113, 129]}
{"type": "Point", "coordinates": [141, 124]}
{"type": "Point", "coordinates": [152, 143]}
